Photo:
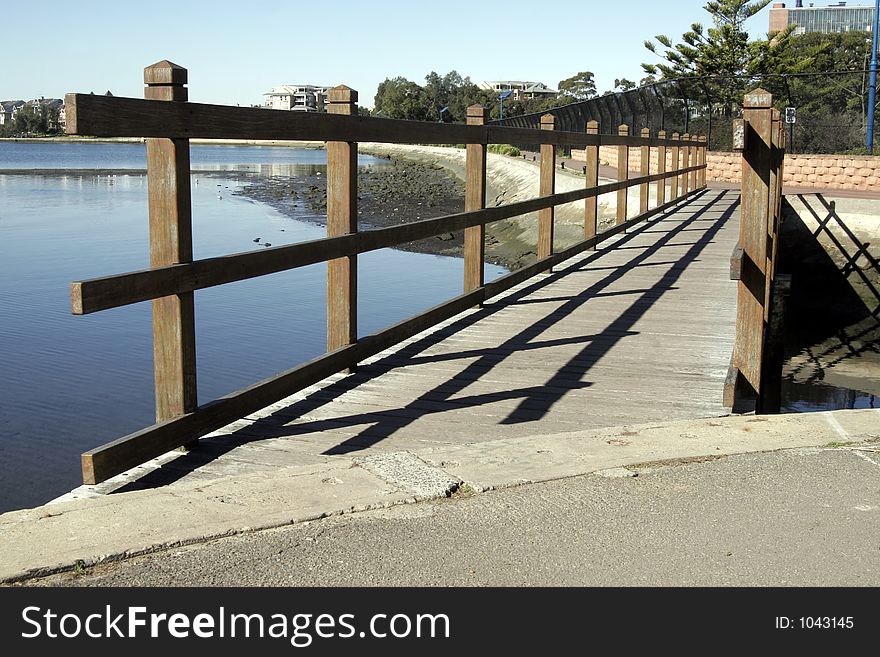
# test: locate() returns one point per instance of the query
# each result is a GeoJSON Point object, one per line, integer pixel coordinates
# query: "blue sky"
{"type": "Point", "coordinates": [236, 51]}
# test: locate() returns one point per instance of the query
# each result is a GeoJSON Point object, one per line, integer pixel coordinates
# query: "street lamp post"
{"type": "Point", "coordinates": [872, 89]}
{"type": "Point", "coordinates": [504, 95]}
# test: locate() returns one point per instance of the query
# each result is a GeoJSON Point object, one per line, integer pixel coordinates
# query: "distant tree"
{"type": "Point", "coordinates": [399, 98]}
{"type": "Point", "coordinates": [580, 86]}
{"type": "Point", "coordinates": [622, 84]}
{"type": "Point", "coordinates": [723, 50]}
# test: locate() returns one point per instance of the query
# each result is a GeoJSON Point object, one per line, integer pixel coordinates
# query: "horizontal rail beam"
{"type": "Point", "coordinates": [103, 462]}
{"type": "Point", "coordinates": [113, 116]}
{"type": "Point", "coordinates": [113, 291]}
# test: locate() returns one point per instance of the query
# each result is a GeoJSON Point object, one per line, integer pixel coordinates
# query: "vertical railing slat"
{"type": "Point", "coordinates": [475, 199]}
{"type": "Point", "coordinates": [661, 168]}
{"type": "Point", "coordinates": [645, 171]}
{"type": "Point", "coordinates": [676, 163]}
{"type": "Point", "coordinates": [342, 219]}
{"type": "Point", "coordinates": [170, 209]}
{"type": "Point", "coordinates": [685, 163]}
{"type": "Point", "coordinates": [547, 188]}
{"type": "Point", "coordinates": [591, 172]}
{"type": "Point", "coordinates": [622, 174]}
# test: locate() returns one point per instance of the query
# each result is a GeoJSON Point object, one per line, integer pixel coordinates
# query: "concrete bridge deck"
{"type": "Point", "coordinates": [639, 331]}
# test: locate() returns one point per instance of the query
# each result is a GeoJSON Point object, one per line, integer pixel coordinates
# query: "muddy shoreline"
{"type": "Point", "coordinates": [389, 194]}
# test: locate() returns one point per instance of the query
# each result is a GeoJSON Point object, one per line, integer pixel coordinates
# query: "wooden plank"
{"type": "Point", "coordinates": [170, 212]}
{"type": "Point", "coordinates": [547, 187]}
{"type": "Point", "coordinates": [591, 176]}
{"type": "Point", "coordinates": [342, 219]}
{"type": "Point", "coordinates": [475, 200]}
{"type": "Point", "coordinates": [685, 163]}
{"type": "Point", "coordinates": [676, 157]}
{"type": "Point", "coordinates": [622, 174]}
{"type": "Point", "coordinates": [106, 292]}
{"type": "Point", "coordinates": [661, 167]}
{"type": "Point", "coordinates": [114, 116]}
{"type": "Point", "coordinates": [645, 171]}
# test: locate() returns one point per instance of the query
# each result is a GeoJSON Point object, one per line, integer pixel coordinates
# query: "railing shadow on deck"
{"type": "Point", "coordinates": [168, 122]}
{"type": "Point", "coordinates": [825, 272]}
{"type": "Point", "coordinates": [536, 401]}
{"type": "Point", "coordinates": [851, 252]}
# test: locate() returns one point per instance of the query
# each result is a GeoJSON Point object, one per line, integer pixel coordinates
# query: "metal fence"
{"type": "Point", "coordinates": [830, 109]}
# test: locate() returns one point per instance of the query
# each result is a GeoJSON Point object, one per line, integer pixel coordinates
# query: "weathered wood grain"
{"type": "Point", "coordinates": [170, 213]}
{"type": "Point", "coordinates": [475, 200]}
{"type": "Point", "coordinates": [547, 187]}
{"type": "Point", "coordinates": [115, 116]}
{"type": "Point", "coordinates": [342, 219]}
{"type": "Point", "coordinates": [622, 174]}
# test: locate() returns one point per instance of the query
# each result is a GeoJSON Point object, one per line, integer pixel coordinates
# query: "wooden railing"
{"type": "Point", "coordinates": [754, 376]}
{"type": "Point", "coordinates": [168, 122]}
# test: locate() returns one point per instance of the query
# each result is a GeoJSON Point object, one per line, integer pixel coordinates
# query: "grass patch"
{"type": "Point", "coordinates": [504, 149]}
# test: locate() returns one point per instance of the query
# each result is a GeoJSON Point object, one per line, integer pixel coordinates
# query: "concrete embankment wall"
{"type": "Point", "coordinates": [845, 172]}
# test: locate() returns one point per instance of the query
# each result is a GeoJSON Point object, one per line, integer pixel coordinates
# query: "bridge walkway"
{"type": "Point", "coordinates": [640, 330]}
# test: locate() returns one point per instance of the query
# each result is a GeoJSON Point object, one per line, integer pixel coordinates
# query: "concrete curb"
{"type": "Point", "coordinates": [88, 531]}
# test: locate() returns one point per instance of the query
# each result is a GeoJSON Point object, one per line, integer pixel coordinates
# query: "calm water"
{"type": "Point", "coordinates": [72, 383]}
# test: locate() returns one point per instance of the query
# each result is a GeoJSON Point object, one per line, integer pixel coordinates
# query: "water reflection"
{"type": "Point", "coordinates": [808, 397]}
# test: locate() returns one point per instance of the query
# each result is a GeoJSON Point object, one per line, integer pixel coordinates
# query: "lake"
{"type": "Point", "coordinates": [72, 211]}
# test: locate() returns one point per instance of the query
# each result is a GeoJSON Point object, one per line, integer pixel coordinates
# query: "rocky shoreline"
{"type": "Point", "coordinates": [388, 194]}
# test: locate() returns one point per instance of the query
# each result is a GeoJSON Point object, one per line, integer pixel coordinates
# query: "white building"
{"type": "Point", "coordinates": [521, 89]}
{"type": "Point", "coordinates": [297, 97]}
{"type": "Point", "coordinates": [8, 110]}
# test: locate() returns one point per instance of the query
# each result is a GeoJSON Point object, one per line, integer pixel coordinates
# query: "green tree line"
{"type": "Point", "coordinates": [33, 119]}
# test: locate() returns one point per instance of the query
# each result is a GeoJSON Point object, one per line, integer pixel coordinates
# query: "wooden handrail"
{"type": "Point", "coordinates": [116, 116]}
{"type": "Point", "coordinates": [107, 292]}
{"type": "Point", "coordinates": [177, 278]}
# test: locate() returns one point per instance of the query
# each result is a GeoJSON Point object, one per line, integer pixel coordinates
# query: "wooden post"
{"type": "Point", "coordinates": [341, 220]}
{"type": "Point", "coordinates": [772, 216]}
{"type": "Point", "coordinates": [547, 188]}
{"type": "Point", "coordinates": [646, 171]}
{"type": "Point", "coordinates": [676, 162]}
{"type": "Point", "coordinates": [622, 173]}
{"type": "Point", "coordinates": [661, 168]}
{"type": "Point", "coordinates": [475, 199]}
{"type": "Point", "coordinates": [704, 160]}
{"type": "Point", "coordinates": [695, 161]}
{"type": "Point", "coordinates": [685, 163]}
{"type": "Point", "coordinates": [745, 377]}
{"type": "Point", "coordinates": [170, 203]}
{"type": "Point", "coordinates": [591, 172]}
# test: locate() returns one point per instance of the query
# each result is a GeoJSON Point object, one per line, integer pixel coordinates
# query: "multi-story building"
{"type": "Point", "coordinates": [297, 97]}
{"type": "Point", "coordinates": [8, 110]}
{"type": "Point", "coordinates": [834, 18]}
{"type": "Point", "coordinates": [521, 89]}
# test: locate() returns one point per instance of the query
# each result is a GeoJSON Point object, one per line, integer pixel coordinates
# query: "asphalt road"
{"type": "Point", "coordinates": [806, 517]}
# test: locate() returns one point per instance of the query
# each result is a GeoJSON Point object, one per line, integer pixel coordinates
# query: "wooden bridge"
{"type": "Point", "coordinates": [634, 324]}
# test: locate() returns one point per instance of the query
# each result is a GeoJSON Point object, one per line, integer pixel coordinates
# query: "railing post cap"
{"type": "Point", "coordinates": [661, 134]}
{"type": "Point", "coordinates": [548, 119]}
{"type": "Point", "coordinates": [476, 110]}
{"type": "Point", "coordinates": [646, 132]}
{"type": "Point", "coordinates": [758, 99]}
{"type": "Point", "coordinates": [165, 73]}
{"type": "Point", "coordinates": [342, 94]}
{"type": "Point", "coordinates": [623, 128]}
